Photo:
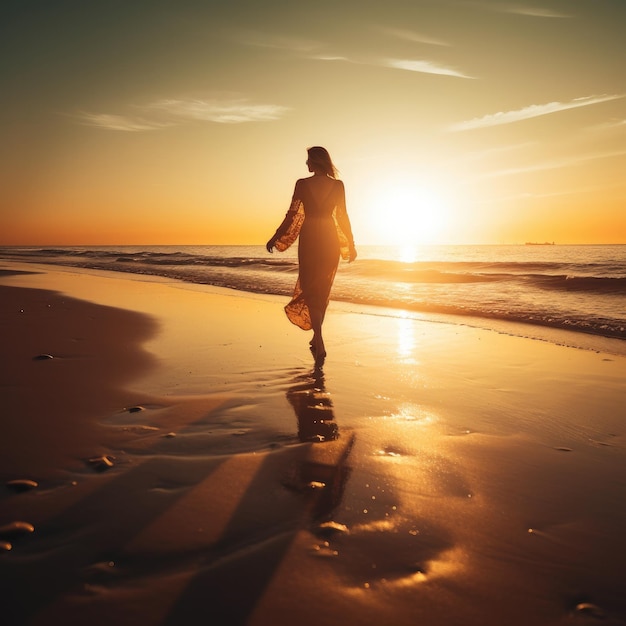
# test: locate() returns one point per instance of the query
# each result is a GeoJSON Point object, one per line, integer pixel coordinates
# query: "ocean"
{"type": "Point", "coordinates": [581, 289]}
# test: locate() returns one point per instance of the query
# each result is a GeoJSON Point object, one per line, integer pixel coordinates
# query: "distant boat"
{"type": "Point", "coordinates": [537, 243]}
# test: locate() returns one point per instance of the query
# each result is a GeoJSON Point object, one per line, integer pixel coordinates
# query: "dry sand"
{"type": "Point", "coordinates": [433, 474]}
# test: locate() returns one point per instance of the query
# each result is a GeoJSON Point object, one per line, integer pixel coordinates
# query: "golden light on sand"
{"type": "Point", "coordinates": [404, 212]}
{"type": "Point", "coordinates": [405, 339]}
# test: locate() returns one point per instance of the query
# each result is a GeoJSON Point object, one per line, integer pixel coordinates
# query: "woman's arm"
{"type": "Point", "coordinates": [344, 223]}
{"type": "Point", "coordinates": [289, 228]}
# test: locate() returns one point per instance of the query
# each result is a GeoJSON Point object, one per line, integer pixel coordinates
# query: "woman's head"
{"type": "Point", "coordinates": [319, 161]}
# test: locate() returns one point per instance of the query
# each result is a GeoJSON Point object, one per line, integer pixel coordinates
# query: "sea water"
{"type": "Point", "coordinates": [579, 288]}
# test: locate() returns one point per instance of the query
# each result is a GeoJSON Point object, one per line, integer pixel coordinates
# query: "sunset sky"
{"type": "Point", "coordinates": [187, 121]}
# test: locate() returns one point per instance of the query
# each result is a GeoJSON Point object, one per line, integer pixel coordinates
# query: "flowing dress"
{"type": "Point", "coordinates": [323, 226]}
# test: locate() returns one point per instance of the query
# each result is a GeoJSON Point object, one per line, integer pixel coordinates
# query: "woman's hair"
{"type": "Point", "coordinates": [319, 160]}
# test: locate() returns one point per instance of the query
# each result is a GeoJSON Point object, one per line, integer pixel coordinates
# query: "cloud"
{"type": "Point", "coordinates": [408, 35]}
{"type": "Point", "coordinates": [332, 57]}
{"type": "Point", "coordinates": [314, 50]}
{"type": "Point", "coordinates": [410, 65]}
{"type": "Point", "coordinates": [534, 110]}
{"type": "Point", "coordinates": [557, 164]}
{"type": "Point", "coordinates": [424, 67]}
{"type": "Point", "coordinates": [570, 191]}
{"type": "Point", "coordinates": [520, 9]}
{"type": "Point", "coordinates": [612, 125]}
{"type": "Point", "coordinates": [236, 111]}
{"type": "Point", "coordinates": [117, 122]}
{"type": "Point", "coordinates": [176, 112]}
{"type": "Point", "coordinates": [490, 152]}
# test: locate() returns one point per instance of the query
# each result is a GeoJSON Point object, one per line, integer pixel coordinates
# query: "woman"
{"type": "Point", "coordinates": [318, 215]}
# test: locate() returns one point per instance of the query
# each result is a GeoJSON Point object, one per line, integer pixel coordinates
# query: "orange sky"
{"type": "Point", "coordinates": [450, 121]}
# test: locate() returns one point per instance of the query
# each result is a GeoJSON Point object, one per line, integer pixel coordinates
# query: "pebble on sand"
{"type": "Point", "coordinates": [316, 484]}
{"type": "Point", "coordinates": [5, 546]}
{"type": "Point", "coordinates": [324, 550]}
{"type": "Point", "coordinates": [21, 484]}
{"type": "Point", "coordinates": [16, 528]}
{"type": "Point", "coordinates": [43, 357]}
{"type": "Point", "coordinates": [101, 463]}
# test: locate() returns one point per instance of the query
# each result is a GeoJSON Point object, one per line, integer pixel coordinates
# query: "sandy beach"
{"type": "Point", "coordinates": [189, 466]}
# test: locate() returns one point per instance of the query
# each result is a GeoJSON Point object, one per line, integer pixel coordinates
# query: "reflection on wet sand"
{"type": "Point", "coordinates": [314, 409]}
{"type": "Point", "coordinates": [325, 467]}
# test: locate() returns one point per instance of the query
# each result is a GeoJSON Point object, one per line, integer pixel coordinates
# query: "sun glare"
{"type": "Point", "coordinates": [405, 214]}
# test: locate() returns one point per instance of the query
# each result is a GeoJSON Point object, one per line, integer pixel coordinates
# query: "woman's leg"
{"type": "Point", "coordinates": [317, 343]}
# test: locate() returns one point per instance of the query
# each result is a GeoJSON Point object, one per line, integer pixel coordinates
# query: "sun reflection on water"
{"type": "Point", "coordinates": [407, 253]}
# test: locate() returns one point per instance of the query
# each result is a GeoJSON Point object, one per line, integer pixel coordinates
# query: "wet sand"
{"type": "Point", "coordinates": [193, 468]}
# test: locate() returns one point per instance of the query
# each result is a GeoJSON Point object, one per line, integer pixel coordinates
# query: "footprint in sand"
{"type": "Point", "coordinates": [392, 451]}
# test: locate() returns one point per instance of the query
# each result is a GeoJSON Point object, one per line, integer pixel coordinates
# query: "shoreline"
{"type": "Point", "coordinates": [571, 294]}
{"type": "Point", "coordinates": [471, 477]}
{"type": "Point", "coordinates": [577, 339]}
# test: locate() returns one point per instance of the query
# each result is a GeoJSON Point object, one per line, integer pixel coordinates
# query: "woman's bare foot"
{"type": "Point", "coordinates": [319, 350]}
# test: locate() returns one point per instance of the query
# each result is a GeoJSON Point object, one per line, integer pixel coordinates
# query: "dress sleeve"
{"type": "Point", "coordinates": [342, 222]}
{"type": "Point", "coordinates": [290, 227]}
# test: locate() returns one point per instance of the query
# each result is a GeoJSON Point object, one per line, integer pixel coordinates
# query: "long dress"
{"type": "Point", "coordinates": [325, 234]}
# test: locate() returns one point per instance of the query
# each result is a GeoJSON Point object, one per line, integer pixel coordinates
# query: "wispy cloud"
{"type": "Point", "coordinates": [521, 9]}
{"type": "Point", "coordinates": [424, 67]}
{"type": "Point", "coordinates": [611, 125]}
{"type": "Point", "coordinates": [408, 35]}
{"type": "Point", "coordinates": [534, 110]}
{"type": "Point", "coordinates": [332, 57]}
{"type": "Point", "coordinates": [494, 151]}
{"type": "Point", "coordinates": [318, 51]}
{"type": "Point", "coordinates": [531, 11]}
{"type": "Point", "coordinates": [411, 65]}
{"type": "Point", "coordinates": [556, 164]}
{"type": "Point", "coordinates": [236, 111]}
{"type": "Point", "coordinates": [118, 122]}
{"type": "Point", "coordinates": [176, 112]}
{"type": "Point", "coordinates": [570, 191]}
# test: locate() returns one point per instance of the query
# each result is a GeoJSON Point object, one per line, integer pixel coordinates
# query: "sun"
{"type": "Point", "coordinates": [407, 213]}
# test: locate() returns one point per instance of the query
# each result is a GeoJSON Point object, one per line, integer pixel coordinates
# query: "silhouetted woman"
{"type": "Point", "coordinates": [318, 215]}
